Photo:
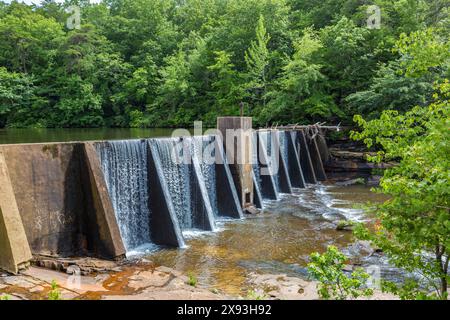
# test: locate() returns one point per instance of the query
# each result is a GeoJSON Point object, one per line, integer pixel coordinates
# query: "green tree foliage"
{"type": "Point", "coordinates": [257, 60]}
{"type": "Point", "coordinates": [414, 225]}
{"type": "Point", "coordinates": [299, 92]}
{"type": "Point", "coordinates": [170, 62]}
{"type": "Point", "coordinates": [424, 57]}
{"type": "Point", "coordinates": [333, 283]}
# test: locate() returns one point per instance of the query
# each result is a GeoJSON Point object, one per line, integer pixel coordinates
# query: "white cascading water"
{"type": "Point", "coordinates": [177, 174]}
{"type": "Point", "coordinates": [267, 140]}
{"type": "Point", "coordinates": [124, 165]}
{"type": "Point", "coordinates": [203, 147]}
{"type": "Point", "coordinates": [284, 147]}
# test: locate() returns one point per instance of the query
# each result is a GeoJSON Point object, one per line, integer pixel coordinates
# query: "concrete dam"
{"type": "Point", "coordinates": [105, 199]}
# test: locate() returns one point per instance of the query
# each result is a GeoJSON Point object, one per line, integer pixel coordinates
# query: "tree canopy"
{"type": "Point", "coordinates": [147, 63]}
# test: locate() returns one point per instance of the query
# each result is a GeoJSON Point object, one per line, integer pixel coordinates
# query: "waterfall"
{"type": "Point", "coordinates": [124, 165]}
{"type": "Point", "coordinates": [268, 141]}
{"type": "Point", "coordinates": [255, 162]}
{"type": "Point", "coordinates": [204, 148]}
{"type": "Point", "coordinates": [189, 197]}
{"type": "Point", "coordinates": [284, 150]}
{"type": "Point", "coordinates": [176, 173]}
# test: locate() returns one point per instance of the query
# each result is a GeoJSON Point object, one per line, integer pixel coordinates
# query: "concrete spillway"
{"type": "Point", "coordinates": [186, 187]}
{"type": "Point", "coordinates": [108, 198]}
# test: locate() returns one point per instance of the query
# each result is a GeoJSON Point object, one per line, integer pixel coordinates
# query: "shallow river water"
{"type": "Point", "coordinates": [277, 241]}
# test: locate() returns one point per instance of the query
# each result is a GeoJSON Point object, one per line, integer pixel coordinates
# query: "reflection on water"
{"type": "Point", "coordinates": [277, 241]}
{"type": "Point", "coordinates": [9, 136]}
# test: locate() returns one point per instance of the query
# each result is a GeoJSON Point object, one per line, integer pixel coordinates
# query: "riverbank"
{"type": "Point", "coordinates": [261, 257]}
{"type": "Point", "coordinates": [146, 282]}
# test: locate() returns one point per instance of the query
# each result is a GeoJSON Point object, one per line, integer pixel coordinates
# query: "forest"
{"type": "Point", "coordinates": [166, 63]}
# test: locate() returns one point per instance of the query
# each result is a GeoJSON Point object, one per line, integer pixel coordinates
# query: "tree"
{"type": "Point", "coordinates": [17, 94]}
{"type": "Point", "coordinates": [257, 60]}
{"type": "Point", "coordinates": [408, 80]}
{"type": "Point", "coordinates": [299, 93]}
{"type": "Point", "coordinates": [333, 282]}
{"type": "Point", "coordinates": [390, 89]}
{"type": "Point", "coordinates": [423, 52]}
{"type": "Point", "coordinates": [226, 84]}
{"type": "Point", "coordinates": [414, 225]}
{"type": "Point", "coordinates": [347, 58]}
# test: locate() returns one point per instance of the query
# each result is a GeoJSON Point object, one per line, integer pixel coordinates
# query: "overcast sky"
{"type": "Point", "coordinates": [38, 1]}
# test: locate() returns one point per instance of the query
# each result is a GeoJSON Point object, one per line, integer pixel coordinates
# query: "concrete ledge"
{"type": "Point", "coordinates": [15, 252]}
{"type": "Point", "coordinates": [107, 235]}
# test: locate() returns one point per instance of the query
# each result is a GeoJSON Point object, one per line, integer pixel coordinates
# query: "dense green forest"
{"type": "Point", "coordinates": [153, 63]}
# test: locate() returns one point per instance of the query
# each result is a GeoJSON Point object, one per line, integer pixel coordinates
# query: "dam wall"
{"type": "Point", "coordinates": [108, 199]}
{"type": "Point", "coordinates": [58, 193]}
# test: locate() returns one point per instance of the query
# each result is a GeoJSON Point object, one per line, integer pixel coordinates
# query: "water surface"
{"type": "Point", "coordinates": [278, 241]}
{"type": "Point", "coordinates": [12, 136]}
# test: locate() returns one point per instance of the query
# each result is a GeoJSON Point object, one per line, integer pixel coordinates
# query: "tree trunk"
{"type": "Point", "coordinates": [443, 266]}
{"type": "Point", "coordinates": [444, 283]}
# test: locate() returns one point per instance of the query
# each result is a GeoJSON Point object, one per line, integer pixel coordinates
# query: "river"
{"type": "Point", "coordinates": [12, 136]}
{"type": "Point", "coordinates": [278, 241]}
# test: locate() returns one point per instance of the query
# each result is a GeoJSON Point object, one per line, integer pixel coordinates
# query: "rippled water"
{"type": "Point", "coordinates": [276, 241]}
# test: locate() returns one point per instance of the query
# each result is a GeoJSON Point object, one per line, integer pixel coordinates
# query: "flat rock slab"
{"type": "Point", "coordinates": [280, 286]}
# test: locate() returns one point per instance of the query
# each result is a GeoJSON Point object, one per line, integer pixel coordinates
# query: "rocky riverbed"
{"type": "Point", "coordinates": [145, 282]}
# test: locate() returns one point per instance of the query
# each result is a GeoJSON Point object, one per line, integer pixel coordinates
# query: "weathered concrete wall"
{"type": "Point", "coordinates": [61, 201]}
{"type": "Point", "coordinates": [103, 229]}
{"type": "Point", "coordinates": [15, 252]}
{"type": "Point", "coordinates": [241, 144]}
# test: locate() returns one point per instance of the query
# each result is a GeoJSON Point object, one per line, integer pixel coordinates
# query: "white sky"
{"type": "Point", "coordinates": [39, 1]}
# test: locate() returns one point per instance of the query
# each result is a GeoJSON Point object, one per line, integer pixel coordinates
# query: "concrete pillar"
{"type": "Point", "coordinates": [305, 158]}
{"type": "Point", "coordinates": [109, 241]}
{"type": "Point", "coordinates": [295, 168]}
{"type": "Point", "coordinates": [268, 185]}
{"type": "Point", "coordinates": [283, 172]}
{"type": "Point", "coordinates": [237, 139]}
{"type": "Point", "coordinates": [316, 160]}
{"type": "Point", "coordinates": [15, 252]}
{"type": "Point", "coordinates": [257, 196]}
{"type": "Point", "coordinates": [227, 197]}
{"type": "Point", "coordinates": [323, 148]}
{"type": "Point", "coordinates": [165, 228]}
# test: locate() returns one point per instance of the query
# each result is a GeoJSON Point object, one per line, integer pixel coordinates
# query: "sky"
{"type": "Point", "coordinates": [39, 1]}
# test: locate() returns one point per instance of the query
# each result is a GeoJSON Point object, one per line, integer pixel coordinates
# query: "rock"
{"type": "Point", "coordinates": [347, 268]}
{"type": "Point", "coordinates": [351, 182]}
{"type": "Point", "coordinates": [18, 281]}
{"type": "Point", "coordinates": [373, 181]}
{"type": "Point", "coordinates": [280, 286]}
{"type": "Point", "coordinates": [36, 289]}
{"type": "Point", "coordinates": [345, 225]}
{"type": "Point", "coordinates": [251, 210]}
